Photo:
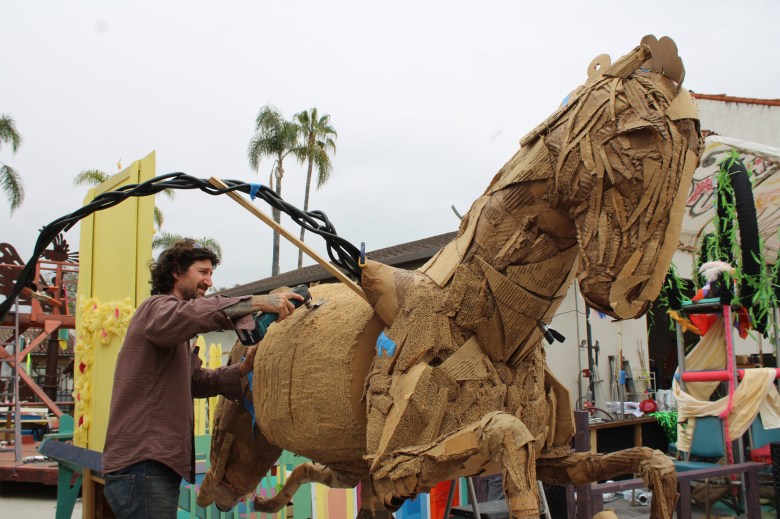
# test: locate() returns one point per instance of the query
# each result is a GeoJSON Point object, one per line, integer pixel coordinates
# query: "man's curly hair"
{"type": "Point", "coordinates": [176, 260]}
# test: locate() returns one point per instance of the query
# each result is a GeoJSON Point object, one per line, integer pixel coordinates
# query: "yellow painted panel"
{"type": "Point", "coordinates": [215, 361]}
{"type": "Point", "coordinates": [116, 244]}
{"type": "Point", "coordinates": [200, 403]}
{"type": "Point", "coordinates": [145, 223]}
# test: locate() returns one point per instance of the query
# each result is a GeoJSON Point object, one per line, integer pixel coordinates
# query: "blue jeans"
{"type": "Point", "coordinates": [144, 490]}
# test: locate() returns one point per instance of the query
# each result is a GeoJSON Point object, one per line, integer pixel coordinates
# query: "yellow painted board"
{"type": "Point", "coordinates": [200, 403]}
{"type": "Point", "coordinates": [115, 248]}
{"type": "Point", "coordinates": [215, 361]}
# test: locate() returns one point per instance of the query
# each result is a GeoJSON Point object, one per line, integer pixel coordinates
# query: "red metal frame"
{"type": "Point", "coordinates": [49, 320]}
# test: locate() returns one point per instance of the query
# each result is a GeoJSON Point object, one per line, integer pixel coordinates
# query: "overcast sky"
{"type": "Point", "coordinates": [429, 99]}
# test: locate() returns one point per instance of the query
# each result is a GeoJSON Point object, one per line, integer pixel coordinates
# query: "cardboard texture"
{"type": "Point", "coordinates": [459, 384]}
{"type": "Point", "coordinates": [312, 370]}
{"type": "Point", "coordinates": [240, 455]}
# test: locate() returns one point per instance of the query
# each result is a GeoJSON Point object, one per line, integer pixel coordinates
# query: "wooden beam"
{"type": "Point", "coordinates": [88, 495]}
{"type": "Point", "coordinates": [25, 321]}
{"type": "Point", "coordinates": [4, 354]}
{"type": "Point", "coordinates": [289, 237]}
{"type": "Point", "coordinates": [39, 392]}
{"type": "Point", "coordinates": [48, 328]}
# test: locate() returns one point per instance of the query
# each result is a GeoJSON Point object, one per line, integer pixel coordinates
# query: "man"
{"type": "Point", "coordinates": [149, 443]}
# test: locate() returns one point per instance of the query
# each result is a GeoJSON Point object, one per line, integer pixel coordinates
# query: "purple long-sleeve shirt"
{"type": "Point", "coordinates": [157, 376]}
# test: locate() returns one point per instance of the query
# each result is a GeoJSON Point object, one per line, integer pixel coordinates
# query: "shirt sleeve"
{"type": "Point", "coordinates": [225, 380]}
{"type": "Point", "coordinates": [169, 321]}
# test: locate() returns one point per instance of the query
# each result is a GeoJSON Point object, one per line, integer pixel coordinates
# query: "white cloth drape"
{"type": "Point", "coordinates": [756, 392]}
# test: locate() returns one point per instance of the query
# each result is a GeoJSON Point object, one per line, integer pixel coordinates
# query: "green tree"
{"type": "Point", "coordinates": [318, 138]}
{"type": "Point", "coordinates": [163, 240]}
{"type": "Point", "coordinates": [95, 177]}
{"type": "Point", "coordinates": [10, 180]}
{"type": "Point", "coordinates": [275, 137]}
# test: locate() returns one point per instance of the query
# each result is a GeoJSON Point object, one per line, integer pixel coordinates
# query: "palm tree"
{"type": "Point", "coordinates": [275, 137]}
{"type": "Point", "coordinates": [164, 240]}
{"type": "Point", "coordinates": [317, 137]}
{"type": "Point", "coordinates": [95, 177]}
{"type": "Point", "coordinates": [10, 180]}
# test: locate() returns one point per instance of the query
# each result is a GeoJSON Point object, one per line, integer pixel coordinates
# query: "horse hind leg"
{"type": "Point", "coordinates": [581, 468]}
{"type": "Point", "coordinates": [305, 473]}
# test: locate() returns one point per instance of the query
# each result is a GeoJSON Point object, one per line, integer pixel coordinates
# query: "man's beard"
{"type": "Point", "coordinates": [195, 294]}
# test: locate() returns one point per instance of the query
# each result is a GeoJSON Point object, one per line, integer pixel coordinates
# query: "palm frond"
{"type": "Point", "coordinates": [8, 132]}
{"type": "Point", "coordinates": [274, 137]}
{"type": "Point", "coordinates": [260, 146]}
{"type": "Point", "coordinates": [212, 244]}
{"type": "Point", "coordinates": [317, 139]}
{"type": "Point", "coordinates": [12, 185]}
{"type": "Point", "coordinates": [328, 144]}
{"type": "Point", "coordinates": [158, 217]}
{"type": "Point", "coordinates": [90, 177]}
{"type": "Point", "coordinates": [169, 193]}
{"type": "Point", "coordinates": [324, 167]}
{"type": "Point", "coordinates": [164, 240]}
{"type": "Point", "coordinates": [268, 118]}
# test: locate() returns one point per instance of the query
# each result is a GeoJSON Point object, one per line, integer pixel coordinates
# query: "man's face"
{"type": "Point", "coordinates": [194, 282]}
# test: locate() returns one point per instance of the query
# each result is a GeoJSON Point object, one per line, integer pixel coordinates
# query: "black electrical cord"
{"type": "Point", "coordinates": [341, 252]}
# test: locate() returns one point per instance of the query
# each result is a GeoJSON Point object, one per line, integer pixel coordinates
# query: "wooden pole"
{"type": "Point", "coordinates": [292, 239]}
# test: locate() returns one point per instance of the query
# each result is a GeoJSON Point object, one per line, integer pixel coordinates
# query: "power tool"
{"type": "Point", "coordinates": [264, 320]}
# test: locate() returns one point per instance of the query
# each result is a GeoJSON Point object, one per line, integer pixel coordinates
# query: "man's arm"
{"type": "Point", "coordinates": [272, 304]}
{"type": "Point", "coordinates": [224, 380]}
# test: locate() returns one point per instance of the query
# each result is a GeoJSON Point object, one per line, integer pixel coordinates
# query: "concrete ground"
{"type": "Point", "coordinates": [624, 510]}
{"type": "Point", "coordinates": [30, 501]}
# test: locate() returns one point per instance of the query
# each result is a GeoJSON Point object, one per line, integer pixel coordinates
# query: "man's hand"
{"type": "Point", "coordinates": [271, 304]}
{"type": "Point", "coordinates": [276, 303]}
{"type": "Point", "coordinates": [249, 361]}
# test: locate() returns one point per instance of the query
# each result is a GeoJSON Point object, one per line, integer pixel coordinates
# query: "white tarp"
{"type": "Point", "coordinates": [764, 163]}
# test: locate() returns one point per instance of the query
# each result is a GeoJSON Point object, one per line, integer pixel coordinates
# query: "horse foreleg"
{"type": "Point", "coordinates": [507, 441]}
{"type": "Point", "coordinates": [498, 438]}
{"type": "Point", "coordinates": [371, 507]}
{"type": "Point", "coordinates": [581, 468]}
{"type": "Point", "coordinates": [305, 473]}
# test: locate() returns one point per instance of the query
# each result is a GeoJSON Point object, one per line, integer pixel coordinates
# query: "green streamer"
{"type": "Point", "coordinates": [668, 422]}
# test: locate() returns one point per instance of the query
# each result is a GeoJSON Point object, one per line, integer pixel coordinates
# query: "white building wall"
{"type": "Point", "coordinates": [749, 122]}
{"type": "Point", "coordinates": [566, 360]}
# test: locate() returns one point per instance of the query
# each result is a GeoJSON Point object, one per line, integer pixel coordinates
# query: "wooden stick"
{"type": "Point", "coordinates": [292, 239]}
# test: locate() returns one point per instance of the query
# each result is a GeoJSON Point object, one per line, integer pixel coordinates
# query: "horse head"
{"type": "Point", "coordinates": [617, 159]}
{"type": "Point", "coordinates": [608, 172]}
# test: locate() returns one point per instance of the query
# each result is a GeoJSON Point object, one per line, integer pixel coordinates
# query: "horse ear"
{"type": "Point", "coordinates": [664, 58]}
{"type": "Point", "coordinates": [599, 64]}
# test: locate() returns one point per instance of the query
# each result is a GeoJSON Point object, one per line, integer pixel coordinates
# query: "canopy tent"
{"type": "Point", "coordinates": [764, 163]}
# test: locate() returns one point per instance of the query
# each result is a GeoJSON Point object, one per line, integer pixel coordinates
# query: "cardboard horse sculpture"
{"type": "Point", "coordinates": [444, 375]}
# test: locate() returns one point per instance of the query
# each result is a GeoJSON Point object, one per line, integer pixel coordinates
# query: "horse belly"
{"type": "Point", "coordinates": [310, 373]}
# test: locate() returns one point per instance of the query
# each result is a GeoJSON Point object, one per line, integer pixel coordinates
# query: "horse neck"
{"type": "Point", "coordinates": [525, 251]}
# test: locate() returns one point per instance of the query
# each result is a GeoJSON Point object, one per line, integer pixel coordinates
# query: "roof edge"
{"type": "Point", "coordinates": [730, 99]}
{"type": "Point", "coordinates": [395, 255]}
